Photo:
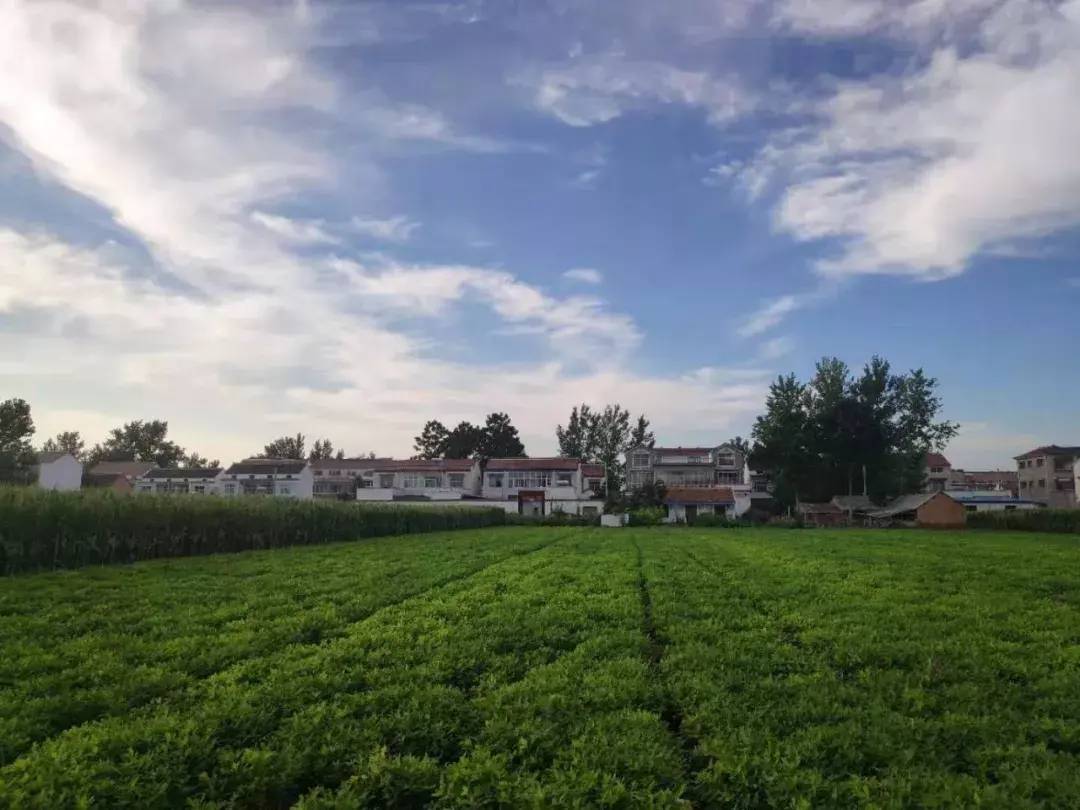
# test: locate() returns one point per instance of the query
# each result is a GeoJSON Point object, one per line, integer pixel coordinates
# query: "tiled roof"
{"type": "Point", "coordinates": [533, 464]}
{"type": "Point", "coordinates": [846, 502]}
{"type": "Point", "coordinates": [937, 460]}
{"type": "Point", "coordinates": [1050, 450]}
{"type": "Point", "coordinates": [181, 472]}
{"type": "Point", "coordinates": [806, 508]}
{"type": "Point", "coordinates": [592, 470]}
{"type": "Point", "coordinates": [906, 503]}
{"type": "Point", "coordinates": [267, 466]}
{"type": "Point", "coordinates": [714, 495]}
{"type": "Point", "coordinates": [423, 465]}
{"type": "Point", "coordinates": [130, 469]}
{"type": "Point", "coordinates": [348, 463]}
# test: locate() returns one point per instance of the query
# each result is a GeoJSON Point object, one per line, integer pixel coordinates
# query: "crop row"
{"type": "Point", "coordinates": [890, 674]}
{"type": "Point", "coordinates": [42, 530]}
{"type": "Point", "coordinates": [524, 683]}
{"type": "Point", "coordinates": [79, 646]}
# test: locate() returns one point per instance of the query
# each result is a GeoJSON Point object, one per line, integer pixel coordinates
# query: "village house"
{"type": "Point", "coordinates": [339, 478]}
{"type": "Point", "coordinates": [542, 486]}
{"type": "Point", "coordinates": [938, 473]}
{"type": "Point", "coordinates": [821, 514]}
{"type": "Point", "coordinates": [686, 504]}
{"type": "Point", "coordinates": [58, 471]}
{"type": "Point", "coordinates": [279, 477]}
{"type": "Point", "coordinates": [118, 476]}
{"type": "Point", "coordinates": [179, 481]}
{"type": "Point", "coordinates": [721, 468]}
{"type": "Point", "coordinates": [927, 510]}
{"type": "Point", "coordinates": [1048, 475]}
{"type": "Point", "coordinates": [440, 479]}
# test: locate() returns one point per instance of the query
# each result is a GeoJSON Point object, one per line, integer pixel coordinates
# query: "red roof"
{"type": "Point", "coordinates": [348, 463]}
{"type": "Point", "coordinates": [533, 464]}
{"type": "Point", "coordinates": [592, 470]}
{"type": "Point", "coordinates": [714, 495]}
{"type": "Point", "coordinates": [422, 465]}
{"type": "Point", "coordinates": [1050, 450]}
{"type": "Point", "coordinates": [937, 460]}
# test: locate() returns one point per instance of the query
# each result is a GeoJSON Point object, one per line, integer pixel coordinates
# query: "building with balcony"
{"type": "Point", "coordinates": [339, 478]}
{"type": "Point", "coordinates": [179, 481]}
{"type": "Point", "coordinates": [543, 486]}
{"type": "Point", "coordinates": [277, 477]}
{"type": "Point", "coordinates": [439, 479]}
{"type": "Point", "coordinates": [1049, 475]}
{"type": "Point", "coordinates": [720, 466]}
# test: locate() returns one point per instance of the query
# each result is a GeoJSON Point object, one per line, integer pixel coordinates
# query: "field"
{"type": "Point", "coordinates": [543, 667]}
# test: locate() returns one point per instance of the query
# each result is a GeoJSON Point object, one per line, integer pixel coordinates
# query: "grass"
{"type": "Point", "coordinates": [543, 667]}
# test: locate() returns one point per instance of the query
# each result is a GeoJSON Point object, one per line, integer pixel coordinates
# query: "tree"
{"type": "Point", "coordinates": [285, 447]}
{"type": "Point", "coordinates": [68, 441]}
{"type": "Point", "coordinates": [193, 461]}
{"type": "Point", "coordinates": [577, 439]}
{"type": "Point", "coordinates": [641, 436]}
{"type": "Point", "coordinates": [740, 444]}
{"type": "Point", "coordinates": [431, 443]}
{"type": "Point", "coordinates": [499, 438]}
{"type": "Point", "coordinates": [139, 441]}
{"type": "Point", "coordinates": [837, 431]}
{"type": "Point", "coordinates": [16, 453]}
{"type": "Point", "coordinates": [322, 448]}
{"type": "Point", "coordinates": [464, 441]}
{"type": "Point", "coordinates": [612, 439]}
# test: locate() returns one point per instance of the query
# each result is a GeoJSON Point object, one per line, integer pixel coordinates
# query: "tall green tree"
{"type": "Point", "coordinates": [194, 461]}
{"type": "Point", "coordinates": [499, 438]}
{"type": "Point", "coordinates": [431, 443]}
{"type": "Point", "coordinates": [578, 438]}
{"type": "Point", "coordinates": [67, 441]}
{"type": "Point", "coordinates": [285, 447]}
{"type": "Point", "coordinates": [612, 440]}
{"type": "Point", "coordinates": [640, 435]}
{"type": "Point", "coordinates": [320, 449]}
{"type": "Point", "coordinates": [16, 453]}
{"type": "Point", "coordinates": [139, 440]}
{"type": "Point", "coordinates": [464, 441]}
{"type": "Point", "coordinates": [740, 444]}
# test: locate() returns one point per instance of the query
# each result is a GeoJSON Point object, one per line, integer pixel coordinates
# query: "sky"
{"type": "Point", "coordinates": [345, 219]}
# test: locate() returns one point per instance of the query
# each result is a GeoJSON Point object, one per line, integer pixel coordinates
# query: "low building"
{"type": "Point", "coordinates": [685, 504]}
{"type": "Point", "coordinates": [179, 481]}
{"type": "Point", "coordinates": [855, 507]}
{"type": "Point", "coordinates": [278, 477]}
{"type": "Point", "coordinates": [985, 481]}
{"type": "Point", "coordinates": [720, 466]}
{"type": "Point", "coordinates": [540, 486]}
{"type": "Point", "coordinates": [1048, 475]}
{"type": "Point", "coordinates": [820, 515]}
{"type": "Point", "coordinates": [927, 509]}
{"type": "Point", "coordinates": [131, 470]}
{"type": "Point", "coordinates": [58, 471]}
{"type": "Point", "coordinates": [938, 473]}
{"type": "Point", "coordinates": [114, 482]}
{"type": "Point", "coordinates": [977, 500]}
{"type": "Point", "coordinates": [340, 478]}
{"type": "Point", "coordinates": [439, 479]}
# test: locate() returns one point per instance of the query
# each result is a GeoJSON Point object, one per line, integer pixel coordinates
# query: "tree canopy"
{"type": "Point", "coordinates": [16, 428]}
{"type": "Point", "coordinates": [497, 438]}
{"type": "Point", "coordinates": [603, 437]}
{"type": "Point", "coordinates": [139, 440]}
{"type": "Point", "coordinates": [815, 439]}
{"type": "Point", "coordinates": [285, 447]}
{"type": "Point", "coordinates": [67, 441]}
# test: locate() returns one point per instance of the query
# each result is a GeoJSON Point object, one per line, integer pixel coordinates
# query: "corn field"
{"type": "Point", "coordinates": [1066, 521]}
{"type": "Point", "coordinates": [40, 529]}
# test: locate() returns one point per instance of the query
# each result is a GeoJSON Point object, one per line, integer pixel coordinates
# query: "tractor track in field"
{"type": "Point", "coordinates": [670, 712]}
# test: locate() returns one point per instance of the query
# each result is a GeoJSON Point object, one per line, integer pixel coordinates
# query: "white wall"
{"type": "Point", "coordinates": [64, 474]}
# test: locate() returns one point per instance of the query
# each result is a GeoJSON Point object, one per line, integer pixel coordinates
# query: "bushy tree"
{"type": "Point", "coordinates": [67, 441]}
{"type": "Point", "coordinates": [576, 439]}
{"type": "Point", "coordinates": [194, 461]}
{"type": "Point", "coordinates": [285, 447]}
{"type": "Point", "coordinates": [603, 437]}
{"type": "Point", "coordinates": [16, 453]}
{"type": "Point", "coordinates": [499, 438]}
{"type": "Point", "coordinates": [431, 443]}
{"type": "Point", "coordinates": [320, 449]}
{"type": "Point", "coordinates": [139, 441]}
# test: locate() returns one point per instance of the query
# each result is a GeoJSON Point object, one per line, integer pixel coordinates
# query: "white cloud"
{"type": "Point", "coordinates": [597, 89]}
{"type": "Point", "coordinates": [585, 275]}
{"type": "Point", "coordinates": [769, 315]}
{"type": "Point", "coordinates": [917, 174]}
{"type": "Point", "coordinates": [295, 231]}
{"type": "Point", "coordinates": [393, 229]}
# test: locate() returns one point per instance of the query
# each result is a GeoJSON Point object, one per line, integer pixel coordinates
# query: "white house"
{"type": "Point", "coordinates": [684, 504]}
{"type": "Point", "coordinates": [340, 478]}
{"type": "Point", "coordinates": [280, 477]}
{"type": "Point", "coordinates": [180, 481]}
{"type": "Point", "coordinates": [439, 479]}
{"type": "Point", "coordinates": [542, 486]}
{"type": "Point", "coordinates": [59, 471]}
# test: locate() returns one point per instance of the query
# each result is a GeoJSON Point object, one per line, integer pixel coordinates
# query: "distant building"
{"type": "Point", "coordinates": [928, 510]}
{"type": "Point", "coordinates": [440, 479]}
{"type": "Point", "coordinates": [686, 504]}
{"type": "Point", "coordinates": [58, 471]}
{"type": "Point", "coordinates": [339, 478]}
{"type": "Point", "coordinates": [1048, 475]}
{"type": "Point", "coordinates": [980, 500]}
{"type": "Point", "coordinates": [541, 486]}
{"type": "Point", "coordinates": [985, 481]}
{"type": "Point", "coordinates": [180, 481]}
{"type": "Point", "coordinates": [720, 466]}
{"type": "Point", "coordinates": [130, 470]}
{"type": "Point", "coordinates": [279, 477]}
{"type": "Point", "coordinates": [115, 482]}
{"type": "Point", "coordinates": [821, 514]}
{"type": "Point", "coordinates": [855, 507]}
{"type": "Point", "coordinates": [938, 473]}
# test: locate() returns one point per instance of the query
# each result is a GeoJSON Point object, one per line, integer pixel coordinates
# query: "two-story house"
{"type": "Point", "coordinates": [1048, 475]}
{"type": "Point", "coordinates": [938, 473]}
{"type": "Point", "coordinates": [280, 477]}
{"type": "Point", "coordinates": [179, 481]}
{"type": "Point", "coordinates": [543, 486]}
{"type": "Point", "coordinates": [339, 478]}
{"type": "Point", "coordinates": [439, 479]}
{"type": "Point", "coordinates": [720, 466]}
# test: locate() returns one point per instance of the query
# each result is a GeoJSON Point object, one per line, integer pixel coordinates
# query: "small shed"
{"type": "Point", "coordinates": [856, 507]}
{"type": "Point", "coordinates": [820, 514]}
{"type": "Point", "coordinates": [59, 471]}
{"type": "Point", "coordinates": [686, 503]}
{"type": "Point", "coordinates": [928, 509]}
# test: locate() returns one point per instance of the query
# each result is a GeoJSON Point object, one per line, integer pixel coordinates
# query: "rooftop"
{"type": "Point", "coordinates": [695, 495]}
{"type": "Point", "coordinates": [497, 464]}
{"type": "Point", "coordinates": [937, 460]}
{"type": "Point", "coordinates": [267, 466]}
{"type": "Point", "coordinates": [183, 472]}
{"type": "Point", "coordinates": [130, 469]}
{"type": "Point", "coordinates": [49, 458]}
{"type": "Point", "coordinates": [1050, 450]}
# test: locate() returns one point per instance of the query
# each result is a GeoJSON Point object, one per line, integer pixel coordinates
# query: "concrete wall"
{"type": "Point", "coordinates": [64, 474]}
{"type": "Point", "coordinates": [1049, 473]}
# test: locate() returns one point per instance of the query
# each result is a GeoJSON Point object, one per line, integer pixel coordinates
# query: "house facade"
{"type": "Point", "coordinates": [720, 466]}
{"type": "Point", "coordinates": [277, 477]}
{"type": "Point", "coordinates": [180, 481]}
{"type": "Point", "coordinates": [938, 473]}
{"type": "Point", "coordinates": [339, 478]}
{"type": "Point", "coordinates": [542, 486]}
{"type": "Point", "coordinates": [937, 510]}
{"type": "Point", "coordinates": [440, 479]}
{"type": "Point", "coordinates": [61, 472]}
{"type": "Point", "coordinates": [1049, 475]}
{"type": "Point", "coordinates": [686, 504]}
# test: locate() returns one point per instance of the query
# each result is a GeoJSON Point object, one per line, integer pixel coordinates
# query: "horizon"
{"type": "Point", "coordinates": [251, 221]}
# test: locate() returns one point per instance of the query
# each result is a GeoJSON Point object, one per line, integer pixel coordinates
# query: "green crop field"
{"type": "Point", "coordinates": [547, 667]}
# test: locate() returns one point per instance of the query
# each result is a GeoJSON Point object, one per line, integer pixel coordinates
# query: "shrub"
{"type": "Point", "coordinates": [1066, 521]}
{"type": "Point", "coordinates": [41, 529]}
{"type": "Point", "coordinates": [647, 516]}
{"type": "Point", "coordinates": [554, 519]}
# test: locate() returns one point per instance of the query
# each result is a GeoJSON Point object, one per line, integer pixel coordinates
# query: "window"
{"type": "Point", "coordinates": [318, 472]}
{"type": "Point", "coordinates": [412, 482]}
{"type": "Point", "coordinates": [495, 479]}
{"type": "Point", "coordinates": [199, 488]}
{"type": "Point", "coordinates": [935, 469]}
{"type": "Point", "coordinates": [1039, 462]}
{"type": "Point", "coordinates": [335, 472]}
{"type": "Point", "coordinates": [386, 480]}
{"type": "Point", "coordinates": [1023, 485]}
{"type": "Point", "coordinates": [1042, 483]}
{"type": "Point", "coordinates": [457, 480]}
{"type": "Point", "coordinates": [364, 483]}
{"type": "Point", "coordinates": [725, 460]}
{"type": "Point", "coordinates": [971, 508]}
{"type": "Point", "coordinates": [564, 479]}
{"type": "Point", "coordinates": [641, 460]}
{"type": "Point", "coordinates": [229, 489]}
{"type": "Point", "coordinates": [530, 479]}
{"type": "Point", "coordinates": [289, 477]}
{"type": "Point", "coordinates": [432, 482]}
{"type": "Point", "coordinates": [1010, 508]}
{"type": "Point", "coordinates": [594, 483]}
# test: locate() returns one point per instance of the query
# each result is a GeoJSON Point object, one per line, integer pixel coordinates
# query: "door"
{"type": "Point", "coordinates": [691, 513]}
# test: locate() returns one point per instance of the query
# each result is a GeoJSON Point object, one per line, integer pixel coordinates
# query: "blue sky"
{"type": "Point", "coordinates": [345, 219]}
